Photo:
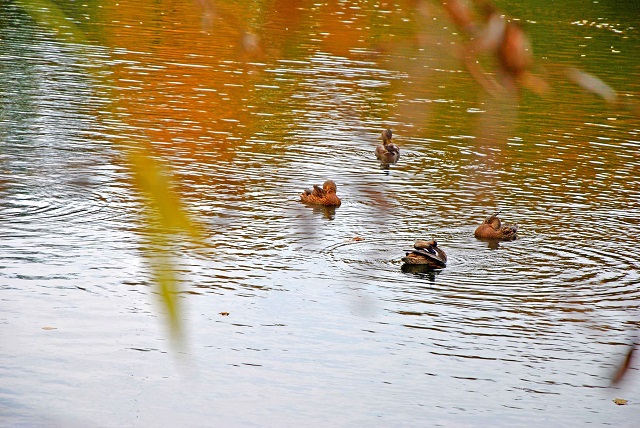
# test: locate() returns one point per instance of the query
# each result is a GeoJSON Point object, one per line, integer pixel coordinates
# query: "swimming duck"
{"type": "Point", "coordinates": [387, 152]}
{"type": "Point", "coordinates": [321, 196]}
{"type": "Point", "coordinates": [492, 228]}
{"type": "Point", "coordinates": [426, 253]}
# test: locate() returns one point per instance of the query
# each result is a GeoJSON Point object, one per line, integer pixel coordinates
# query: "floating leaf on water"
{"type": "Point", "coordinates": [357, 239]}
{"type": "Point", "coordinates": [49, 328]}
{"type": "Point", "coordinates": [620, 401]}
{"type": "Point", "coordinates": [224, 314]}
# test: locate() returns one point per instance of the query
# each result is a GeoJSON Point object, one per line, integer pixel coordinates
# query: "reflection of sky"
{"type": "Point", "coordinates": [324, 323]}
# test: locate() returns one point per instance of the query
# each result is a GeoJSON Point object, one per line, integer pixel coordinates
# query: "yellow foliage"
{"type": "Point", "coordinates": [164, 218]}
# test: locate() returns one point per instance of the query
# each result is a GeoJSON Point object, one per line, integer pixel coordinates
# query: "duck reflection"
{"type": "Point", "coordinates": [421, 271]}
{"type": "Point", "coordinates": [328, 212]}
{"type": "Point", "coordinates": [493, 244]}
{"type": "Point", "coordinates": [385, 167]}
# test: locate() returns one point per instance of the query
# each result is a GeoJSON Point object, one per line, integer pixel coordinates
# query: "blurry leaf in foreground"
{"type": "Point", "coordinates": [164, 218]}
{"type": "Point", "coordinates": [156, 187]}
{"type": "Point", "coordinates": [503, 39]}
{"type": "Point", "coordinates": [624, 366]}
{"type": "Point", "coordinates": [461, 15]}
{"type": "Point", "coordinates": [164, 277]}
{"type": "Point", "coordinates": [592, 84]}
{"type": "Point", "coordinates": [208, 13]}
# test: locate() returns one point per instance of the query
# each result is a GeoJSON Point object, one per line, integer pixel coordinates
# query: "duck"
{"type": "Point", "coordinates": [325, 195]}
{"type": "Point", "coordinates": [492, 228]}
{"type": "Point", "coordinates": [426, 253]}
{"type": "Point", "coordinates": [387, 152]}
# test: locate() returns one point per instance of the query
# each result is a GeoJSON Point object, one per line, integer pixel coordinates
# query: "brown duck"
{"type": "Point", "coordinates": [387, 152]}
{"type": "Point", "coordinates": [325, 195]}
{"type": "Point", "coordinates": [426, 253]}
{"type": "Point", "coordinates": [492, 228]}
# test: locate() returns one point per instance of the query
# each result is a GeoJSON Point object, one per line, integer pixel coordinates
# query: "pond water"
{"type": "Point", "coordinates": [249, 104]}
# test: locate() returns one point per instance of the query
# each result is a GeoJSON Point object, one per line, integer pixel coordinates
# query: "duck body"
{"type": "Point", "coordinates": [387, 152]}
{"type": "Point", "coordinates": [426, 253]}
{"type": "Point", "coordinates": [492, 228]}
{"type": "Point", "coordinates": [325, 195]}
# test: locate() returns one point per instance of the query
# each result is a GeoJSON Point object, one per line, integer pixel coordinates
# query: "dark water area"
{"type": "Point", "coordinates": [248, 107]}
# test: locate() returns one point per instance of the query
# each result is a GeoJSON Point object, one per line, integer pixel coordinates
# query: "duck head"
{"type": "Point", "coordinates": [494, 221]}
{"type": "Point", "coordinates": [329, 186]}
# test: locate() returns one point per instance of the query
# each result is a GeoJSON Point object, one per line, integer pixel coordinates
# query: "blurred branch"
{"type": "Point", "coordinates": [592, 84]}
{"type": "Point", "coordinates": [624, 366]}
{"type": "Point", "coordinates": [491, 32]}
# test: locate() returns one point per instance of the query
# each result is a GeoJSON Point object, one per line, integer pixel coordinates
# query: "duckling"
{"type": "Point", "coordinates": [387, 152]}
{"type": "Point", "coordinates": [426, 253]}
{"type": "Point", "coordinates": [322, 196]}
{"type": "Point", "coordinates": [492, 228]}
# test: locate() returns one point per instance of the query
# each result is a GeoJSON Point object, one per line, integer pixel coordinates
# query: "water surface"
{"type": "Point", "coordinates": [248, 108]}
